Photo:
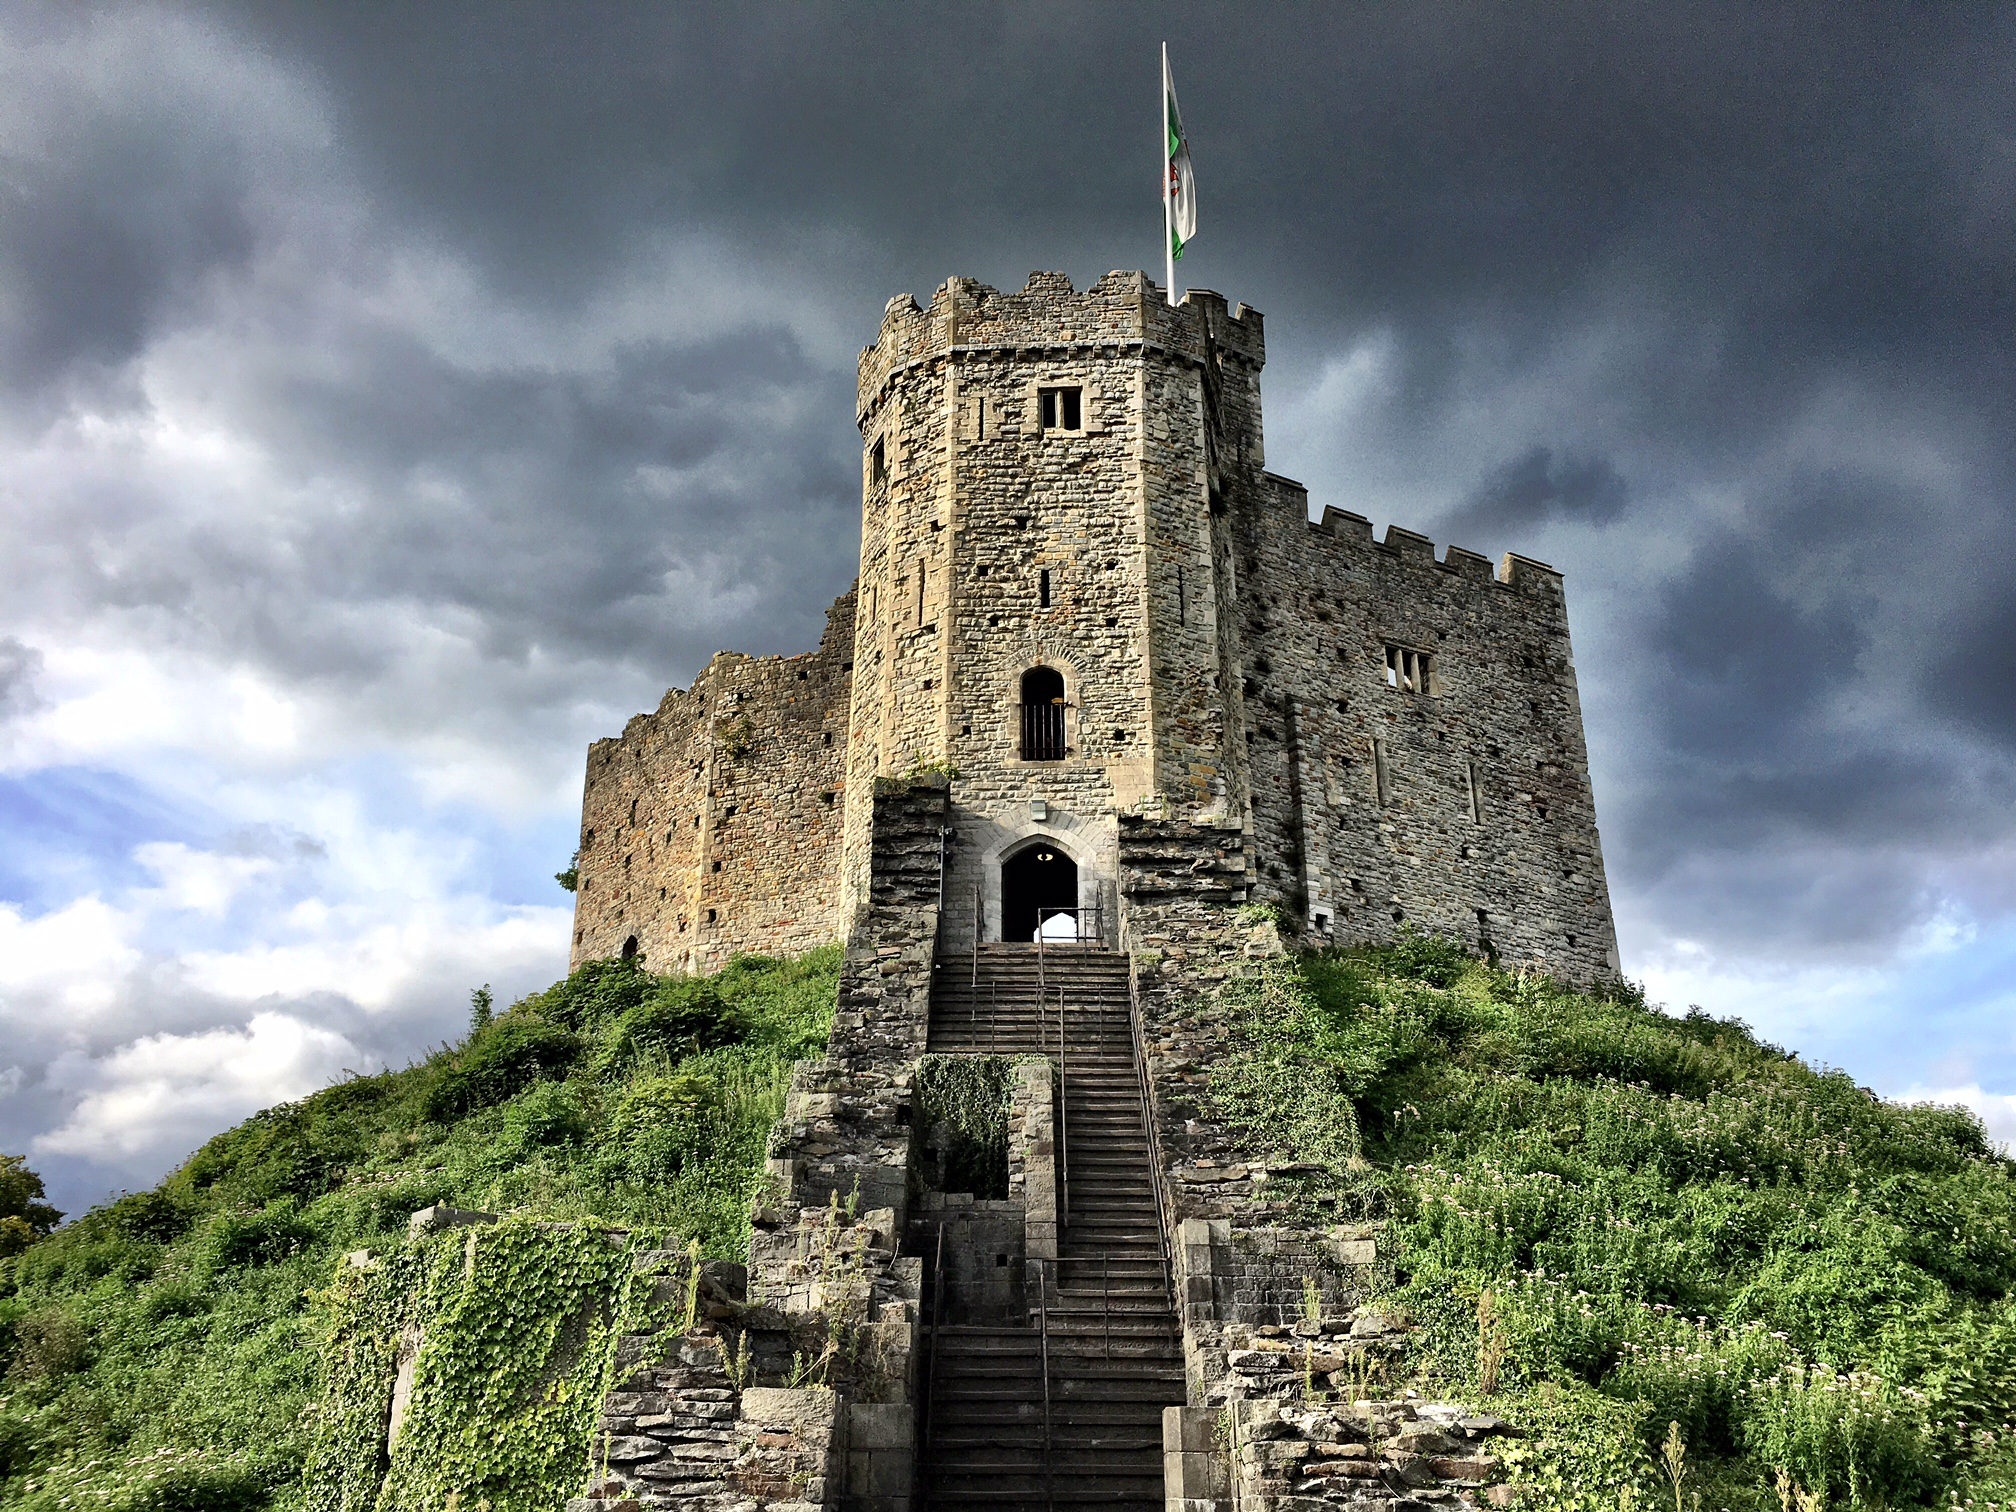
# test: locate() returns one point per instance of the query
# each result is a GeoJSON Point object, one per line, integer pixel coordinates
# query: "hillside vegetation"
{"type": "Point", "coordinates": [1601, 1219]}
{"type": "Point", "coordinates": [160, 1354]}
{"type": "Point", "coordinates": [1623, 1220]}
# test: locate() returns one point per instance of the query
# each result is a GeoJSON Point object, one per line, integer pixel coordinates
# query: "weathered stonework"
{"type": "Point", "coordinates": [1225, 664]}
{"type": "Point", "coordinates": [712, 826]}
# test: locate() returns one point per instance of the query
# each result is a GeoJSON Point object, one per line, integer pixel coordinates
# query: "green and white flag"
{"type": "Point", "coordinates": [1179, 189]}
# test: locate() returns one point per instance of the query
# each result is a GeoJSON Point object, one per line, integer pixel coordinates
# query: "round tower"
{"type": "Point", "coordinates": [1043, 563]}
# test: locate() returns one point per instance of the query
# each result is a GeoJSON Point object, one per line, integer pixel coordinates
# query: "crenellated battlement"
{"type": "Point", "coordinates": [1083, 593]}
{"type": "Point", "coordinates": [1123, 311]}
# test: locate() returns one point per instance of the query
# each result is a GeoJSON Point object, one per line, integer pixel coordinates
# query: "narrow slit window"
{"type": "Point", "coordinates": [1043, 589]}
{"type": "Point", "coordinates": [1062, 409]}
{"type": "Point", "coordinates": [1382, 783]}
{"type": "Point", "coordinates": [878, 465]}
{"type": "Point", "coordinates": [920, 594]}
{"type": "Point", "coordinates": [980, 421]}
{"type": "Point", "coordinates": [1406, 670]}
{"type": "Point", "coordinates": [1042, 714]}
{"type": "Point", "coordinates": [1182, 599]}
{"type": "Point", "coordinates": [1475, 787]}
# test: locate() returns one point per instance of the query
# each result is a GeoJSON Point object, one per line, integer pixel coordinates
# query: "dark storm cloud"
{"type": "Point", "coordinates": [1709, 305]}
{"type": "Point", "coordinates": [1542, 485]}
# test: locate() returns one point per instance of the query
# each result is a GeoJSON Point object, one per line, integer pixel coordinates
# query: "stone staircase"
{"type": "Point", "coordinates": [1105, 1339]}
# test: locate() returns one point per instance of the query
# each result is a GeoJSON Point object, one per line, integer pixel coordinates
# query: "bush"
{"type": "Point", "coordinates": [502, 1061]}
{"type": "Point", "coordinates": [49, 1343]}
{"type": "Point", "coordinates": [260, 1238]}
{"type": "Point", "coordinates": [592, 994]}
{"type": "Point", "coordinates": [678, 1019]}
{"type": "Point", "coordinates": [661, 1123]}
{"type": "Point", "coordinates": [549, 1114]}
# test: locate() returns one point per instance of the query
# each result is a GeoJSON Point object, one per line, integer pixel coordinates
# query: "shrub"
{"type": "Point", "coordinates": [503, 1060]}
{"type": "Point", "coordinates": [662, 1122]}
{"type": "Point", "coordinates": [151, 1217]}
{"type": "Point", "coordinates": [549, 1114]}
{"type": "Point", "coordinates": [258, 1238]}
{"type": "Point", "coordinates": [676, 1020]}
{"type": "Point", "coordinates": [49, 1343]}
{"type": "Point", "coordinates": [593, 993]}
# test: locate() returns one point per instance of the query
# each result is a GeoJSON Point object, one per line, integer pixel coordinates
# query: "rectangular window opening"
{"type": "Point", "coordinates": [1182, 599]}
{"type": "Point", "coordinates": [920, 594]}
{"type": "Point", "coordinates": [1043, 589]}
{"type": "Point", "coordinates": [1475, 785]}
{"type": "Point", "coordinates": [1407, 671]}
{"type": "Point", "coordinates": [1381, 781]}
{"type": "Point", "coordinates": [878, 465]}
{"type": "Point", "coordinates": [1062, 409]}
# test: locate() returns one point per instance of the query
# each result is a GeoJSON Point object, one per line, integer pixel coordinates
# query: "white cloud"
{"type": "Point", "coordinates": [161, 1094]}
{"type": "Point", "coordinates": [1997, 1109]}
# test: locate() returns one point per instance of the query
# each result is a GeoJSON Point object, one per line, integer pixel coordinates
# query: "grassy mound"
{"type": "Point", "coordinates": [159, 1353]}
{"type": "Point", "coordinates": [1622, 1220]}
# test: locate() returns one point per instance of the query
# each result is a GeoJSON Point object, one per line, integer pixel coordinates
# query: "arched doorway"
{"type": "Point", "coordinates": [1038, 876]}
{"type": "Point", "coordinates": [1042, 716]}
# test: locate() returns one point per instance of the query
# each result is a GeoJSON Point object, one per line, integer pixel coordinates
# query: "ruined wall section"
{"type": "Point", "coordinates": [1464, 808]}
{"type": "Point", "coordinates": [712, 825]}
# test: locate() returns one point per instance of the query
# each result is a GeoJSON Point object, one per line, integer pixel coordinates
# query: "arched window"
{"type": "Point", "coordinates": [630, 948]}
{"type": "Point", "coordinates": [1042, 714]}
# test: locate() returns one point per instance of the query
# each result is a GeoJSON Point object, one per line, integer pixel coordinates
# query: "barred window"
{"type": "Point", "coordinates": [1408, 671]}
{"type": "Point", "coordinates": [1042, 714]}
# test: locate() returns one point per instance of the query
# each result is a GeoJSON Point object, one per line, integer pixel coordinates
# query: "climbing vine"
{"type": "Point", "coordinates": [515, 1325]}
{"type": "Point", "coordinates": [966, 1097]}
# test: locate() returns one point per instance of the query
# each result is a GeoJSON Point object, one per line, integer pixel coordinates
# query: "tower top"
{"type": "Point", "coordinates": [1125, 309]}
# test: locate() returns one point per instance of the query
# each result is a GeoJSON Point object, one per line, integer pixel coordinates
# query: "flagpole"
{"type": "Point", "coordinates": [1168, 233]}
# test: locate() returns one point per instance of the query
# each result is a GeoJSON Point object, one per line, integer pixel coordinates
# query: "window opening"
{"type": "Point", "coordinates": [1042, 714]}
{"type": "Point", "coordinates": [1381, 780]}
{"type": "Point", "coordinates": [630, 948]}
{"type": "Point", "coordinates": [1406, 670]}
{"type": "Point", "coordinates": [1476, 787]}
{"type": "Point", "coordinates": [1061, 409]}
{"type": "Point", "coordinates": [980, 421]}
{"type": "Point", "coordinates": [878, 465]}
{"type": "Point", "coordinates": [1182, 599]}
{"type": "Point", "coordinates": [920, 594]}
{"type": "Point", "coordinates": [1043, 588]}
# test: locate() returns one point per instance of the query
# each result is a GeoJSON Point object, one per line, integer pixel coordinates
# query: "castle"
{"type": "Point", "coordinates": [1085, 600]}
{"type": "Point", "coordinates": [1105, 725]}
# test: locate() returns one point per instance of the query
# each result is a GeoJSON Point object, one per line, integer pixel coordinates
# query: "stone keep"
{"type": "Point", "coordinates": [1064, 487]}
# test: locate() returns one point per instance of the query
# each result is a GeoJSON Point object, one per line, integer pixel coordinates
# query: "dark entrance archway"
{"type": "Point", "coordinates": [1035, 877]}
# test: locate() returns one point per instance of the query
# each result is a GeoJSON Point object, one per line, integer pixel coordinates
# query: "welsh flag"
{"type": "Point", "coordinates": [1181, 190]}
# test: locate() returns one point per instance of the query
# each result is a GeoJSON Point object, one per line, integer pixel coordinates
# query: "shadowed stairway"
{"type": "Point", "coordinates": [1105, 1341]}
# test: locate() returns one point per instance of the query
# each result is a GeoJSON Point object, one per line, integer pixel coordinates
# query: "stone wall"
{"type": "Point", "coordinates": [1464, 808]}
{"type": "Point", "coordinates": [712, 825]}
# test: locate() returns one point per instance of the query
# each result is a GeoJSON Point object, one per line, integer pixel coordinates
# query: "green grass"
{"type": "Point", "coordinates": [160, 1352]}
{"type": "Point", "coordinates": [1672, 1217]}
{"type": "Point", "coordinates": [1676, 1224]}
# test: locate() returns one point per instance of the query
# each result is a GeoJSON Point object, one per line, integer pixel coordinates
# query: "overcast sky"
{"type": "Point", "coordinates": [393, 399]}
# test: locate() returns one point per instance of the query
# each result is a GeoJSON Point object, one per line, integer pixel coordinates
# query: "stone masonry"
{"type": "Point", "coordinates": [1395, 738]}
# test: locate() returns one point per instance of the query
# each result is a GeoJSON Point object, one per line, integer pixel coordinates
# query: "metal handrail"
{"type": "Point", "coordinates": [931, 1365]}
{"type": "Point", "coordinates": [1043, 1334]}
{"type": "Point", "coordinates": [1137, 1036]}
{"type": "Point", "coordinates": [1063, 1124]}
{"type": "Point", "coordinates": [1077, 915]}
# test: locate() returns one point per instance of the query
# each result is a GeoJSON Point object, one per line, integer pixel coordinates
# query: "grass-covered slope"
{"type": "Point", "coordinates": [1674, 1223]}
{"type": "Point", "coordinates": [160, 1353]}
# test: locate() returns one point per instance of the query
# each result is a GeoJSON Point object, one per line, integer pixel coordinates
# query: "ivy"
{"type": "Point", "coordinates": [516, 1323]}
{"type": "Point", "coordinates": [966, 1097]}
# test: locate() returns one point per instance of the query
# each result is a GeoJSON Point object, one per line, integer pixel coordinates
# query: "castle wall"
{"type": "Point", "coordinates": [1486, 830]}
{"type": "Point", "coordinates": [977, 510]}
{"type": "Point", "coordinates": [712, 826]}
{"type": "Point", "coordinates": [1225, 663]}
